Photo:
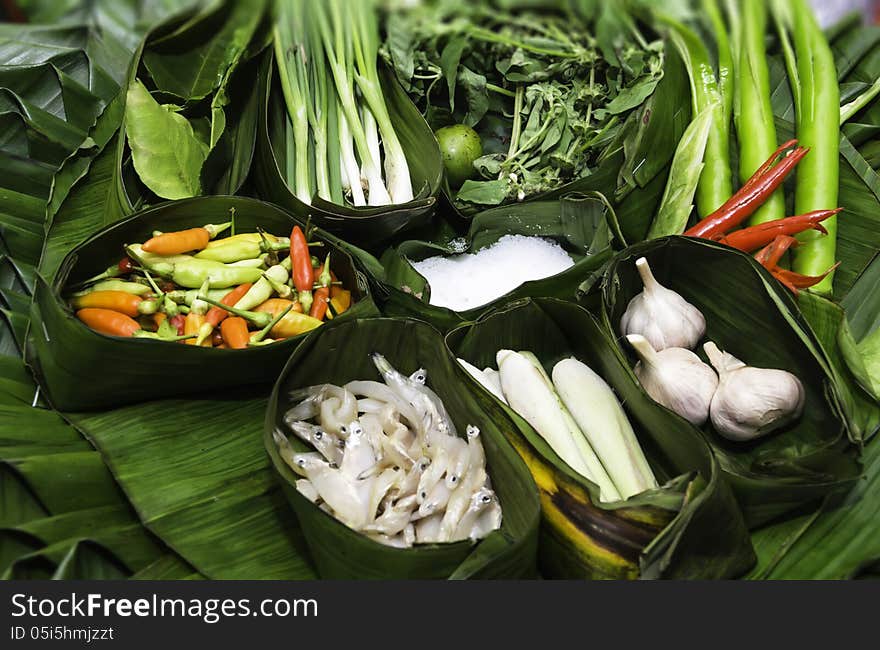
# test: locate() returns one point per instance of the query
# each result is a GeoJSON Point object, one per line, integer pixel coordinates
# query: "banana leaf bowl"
{"type": "Point", "coordinates": [751, 315]}
{"type": "Point", "coordinates": [368, 227]}
{"type": "Point", "coordinates": [210, 151]}
{"type": "Point", "coordinates": [632, 170]}
{"type": "Point", "coordinates": [583, 224]}
{"type": "Point", "coordinates": [689, 527]}
{"type": "Point", "coordinates": [82, 369]}
{"type": "Point", "coordinates": [340, 353]}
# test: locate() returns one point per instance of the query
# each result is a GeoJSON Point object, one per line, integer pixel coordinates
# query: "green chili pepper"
{"type": "Point", "coordinates": [135, 288]}
{"type": "Point", "coordinates": [237, 248]}
{"type": "Point", "coordinates": [263, 289]}
{"type": "Point", "coordinates": [190, 272]}
{"type": "Point", "coordinates": [256, 263]}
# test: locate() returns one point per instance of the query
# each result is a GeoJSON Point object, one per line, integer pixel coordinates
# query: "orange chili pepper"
{"type": "Point", "coordinates": [124, 303]}
{"type": "Point", "coordinates": [216, 314]}
{"type": "Point", "coordinates": [235, 332]}
{"type": "Point", "coordinates": [319, 303]}
{"type": "Point", "coordinates": [107, 321]}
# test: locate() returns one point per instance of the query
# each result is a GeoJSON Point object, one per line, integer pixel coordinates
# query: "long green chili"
{"type": "Point", "coordinates": [755, 124]}
{"type": "Point", "coordinates": [817, 128]}
{"type": "Point", "coordinates": [715, 185]}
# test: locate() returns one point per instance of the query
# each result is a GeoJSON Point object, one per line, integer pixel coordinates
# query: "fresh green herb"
{"type": "Point", "coordinates": [547, 92]}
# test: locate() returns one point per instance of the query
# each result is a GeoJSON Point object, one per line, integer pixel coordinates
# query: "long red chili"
{"type": "Point", "coordinates": [770, 255]}
{"type": "Point", "coordinates": [749, 197]}
{"type": "Point", "coordinates": [301, 261]}
{"type": "Point", "coordinates": [794, 281]}
{"type": "Point", "coordinates": [754, 237]}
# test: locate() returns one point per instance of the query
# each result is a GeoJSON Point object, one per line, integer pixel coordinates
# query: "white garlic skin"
{"type": "Point", "coordinates": [661, 315]}
{"type": "Point", "coordinates": [675, 378]}
{"type": "Point", "coordinates": [752, 402]}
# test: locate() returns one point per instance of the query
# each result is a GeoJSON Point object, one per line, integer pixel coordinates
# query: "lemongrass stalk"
{"type": "Point", "coordinates": [336, 33]}
{"type": "Point", "coordinates": [351, 175]}
{"type": "Point", "coordinates": [366, 50]}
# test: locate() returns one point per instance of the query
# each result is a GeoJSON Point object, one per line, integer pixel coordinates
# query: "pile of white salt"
{"type": "Point", "coordinates": [462, 282]}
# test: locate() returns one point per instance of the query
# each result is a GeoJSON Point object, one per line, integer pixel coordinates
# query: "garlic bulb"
{"type": "Point", "coordinates": [661, 315]}
{"type": "Point", "coordinates": [676, 378]}
{"type": "Point", "coordinates": [751, 402]}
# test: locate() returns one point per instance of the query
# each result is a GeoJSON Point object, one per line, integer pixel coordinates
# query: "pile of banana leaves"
{"type": "Point", "coordinates": [133, 114]}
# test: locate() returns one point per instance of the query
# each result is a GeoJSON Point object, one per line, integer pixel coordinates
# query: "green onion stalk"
{"type": "Point", "coordinates": [755, 124]}
{"type": "Point", "coordinates": [366, 50]}
{"type": "Point", "coordinates": [340, 36]}
{"type": "Point", "coordinates": [289, 37]}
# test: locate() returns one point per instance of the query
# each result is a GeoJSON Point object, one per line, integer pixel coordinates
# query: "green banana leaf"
{"type": "Point", "coordinates": [196, 474]}
{"type": "Point", "coordinates": [341, 353]}
{"type": "Point", "coordinates": [753, 317]}
{"type": "Point", "coordinates": [72, 360]}
{"type": "Point", "coordinates": [201, 63]}
{"type": "Point", "coordinates": [584, 225]}
{"type": "Point", "coordinates": [369, 227]}
{"type": "Point", "coordinates": [689, 527]}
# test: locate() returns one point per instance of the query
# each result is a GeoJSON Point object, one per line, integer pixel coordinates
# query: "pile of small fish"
{"type": "Point", "coordinates": [389, 462]}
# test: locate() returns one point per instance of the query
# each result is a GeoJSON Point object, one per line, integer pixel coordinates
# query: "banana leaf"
{"type": "Point", "coordinates": [584, 225]}
{"type": "Point", "coordinates": [689, 527]}
{"type": "Point", "coordinates": [219, 506]}
{"type": "Point", "coordinates": [753, 317]}
{"type": "Point", "coordinates": [341, 353]}
{"type": "Point", "coordinates": [201, 62]}
{"type": "Point", "coordinates": [72, 360]}
{"type": "Point", "coordinates": [369, 227]}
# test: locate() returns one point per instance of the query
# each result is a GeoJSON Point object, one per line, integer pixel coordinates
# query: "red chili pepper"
{"type": "Point", "coordinates": [125, 265]}
{"type": "Point", "coordinates": [319, 304]}
{"type": "Point", "coordinates": [794, 281]}
{"type": "Point", "coordinates": [750, 196]}
{"type": "Point", "coordinates": [770, 255]}
{"type": "Point", "coordinates": [301, 261]}
{"type": "Point", "coordinates": [754, 237]}
{"type": "Point", "coordinates": [178, 321]}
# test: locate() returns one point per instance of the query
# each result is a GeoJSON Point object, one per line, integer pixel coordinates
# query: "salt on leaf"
{"type": "Point", "coordinates": [462, 282]}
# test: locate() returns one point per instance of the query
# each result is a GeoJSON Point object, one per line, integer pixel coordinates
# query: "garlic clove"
{"type": "Point", "coordinates": [751, 402]}
{"type": "Point", "coordinates": [675, 378]}
{"type": "Point", "coordinates": [661, 315]}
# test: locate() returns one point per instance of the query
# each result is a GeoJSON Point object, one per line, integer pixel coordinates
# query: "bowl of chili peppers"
{"type": "Point", "coordinates": [190, 287]}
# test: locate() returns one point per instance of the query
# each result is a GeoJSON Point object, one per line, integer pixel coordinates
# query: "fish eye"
{"type": "Point", "coordinates": [453, 479]}
{"type": "Point", "coordinates": [486, 498]}
{"type": "Point", "coordinates": [424, 494]}
{"type": "Point", "coordinates": [319, 435]}
{"type": "Point", "coordinates": [343, 429]}
{"type": "Point", "coordinates": [396, 467]}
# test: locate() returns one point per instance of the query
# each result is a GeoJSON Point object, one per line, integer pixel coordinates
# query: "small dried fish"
{"type": "Point", "coordinates": [388, 461]}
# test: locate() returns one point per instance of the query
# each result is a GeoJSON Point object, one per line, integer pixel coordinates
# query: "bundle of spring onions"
{"type": "Point", "coordinates": [240, 291]}
{"type": "Point", "coordinates": [388, 461]}
{"type": "Point", "coordinates": [577, 414]}
{"type": "Point", "coordinates": [342, 135]}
